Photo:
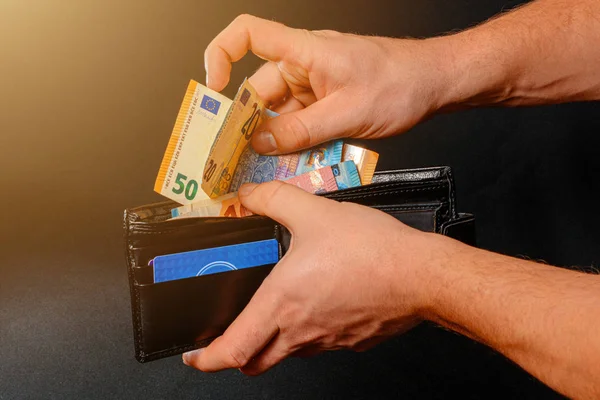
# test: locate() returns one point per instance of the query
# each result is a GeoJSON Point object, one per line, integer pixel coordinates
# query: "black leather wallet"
{"type": "Point", "coordinates": [177, 316]}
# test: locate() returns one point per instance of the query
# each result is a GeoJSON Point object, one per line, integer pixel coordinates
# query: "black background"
{"type": "Point", "coordinates": [89, 93]}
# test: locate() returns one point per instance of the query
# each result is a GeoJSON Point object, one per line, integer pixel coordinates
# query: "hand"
{"type": "Point", "coordinates": [353, 276]}
{"type": "Point", "coordinates": [330, 85]}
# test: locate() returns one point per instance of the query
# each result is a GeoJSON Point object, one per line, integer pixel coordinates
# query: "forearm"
{"type": "Point", "coordinates": [542, 53]}
{"type": "Point", "coordinates": [544, 318]}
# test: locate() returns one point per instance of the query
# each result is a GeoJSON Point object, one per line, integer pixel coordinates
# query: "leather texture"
{"type": "Point", "coordinates": [172, 317]}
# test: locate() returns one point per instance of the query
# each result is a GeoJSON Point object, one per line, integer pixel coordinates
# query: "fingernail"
{"type": "Point", "coordinates": [187, 357]}
{"type": "Point", "coordinates": [247, 189]}
{"type": "Point", "coordinates": [207, 79]}
{"type": "Point", "coordinates": [266, 142]}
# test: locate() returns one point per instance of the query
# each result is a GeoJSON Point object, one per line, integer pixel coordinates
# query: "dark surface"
{"type": "Point", "coordinates": [90, 91]}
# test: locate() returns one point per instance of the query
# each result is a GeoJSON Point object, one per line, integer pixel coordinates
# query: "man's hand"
{"type": "Point", "coordinates": [329, 85]}
{"type": "Point", "coordinates": [353, 276]}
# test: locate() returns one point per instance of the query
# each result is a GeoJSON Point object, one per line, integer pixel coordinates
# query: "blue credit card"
{"type": "Point", "coordinates": [217, 259]}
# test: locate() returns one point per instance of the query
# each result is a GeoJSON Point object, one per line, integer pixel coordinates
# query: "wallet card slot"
{"type": "Point", "coordinates": [147, 246]}
{"type": "Point", "coordinates": [179, 315]}
{"type": "Point", "coordinates": [144, 274]}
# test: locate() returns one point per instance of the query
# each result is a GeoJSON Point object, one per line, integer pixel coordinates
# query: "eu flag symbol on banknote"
{"type": "Point", "coordinates": [210, 104]}
{"type": "Point", "coordinates": [214, 260]}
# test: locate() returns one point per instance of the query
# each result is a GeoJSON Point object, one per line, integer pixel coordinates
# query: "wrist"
{"type": "Point", "coordinates": [437, 275]}
{"type": "Point", "coordinates": [450, 72]}
{"type": "Point", "coordinates": [421, 275]}
{"type": "Point", "coordinates": [476, 73]}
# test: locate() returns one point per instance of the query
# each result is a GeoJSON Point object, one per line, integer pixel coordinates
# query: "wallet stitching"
{"type": "Point", "coordinates": [390, 185]}
{"type": "Point", "coordinates": [459, 221]}
{"type": "Point", "coordinates": [389, 192]}
{"type": "Point", "coordinates": [160, 232]}
{"type": "Point", "coordinates": [450, 179]}
{"type": "Point", "coordinates": [407, 208]}
{"type": "Point", "coordinates": [437, 218]}
{"type": "Point", "coordinates": [137, 326]}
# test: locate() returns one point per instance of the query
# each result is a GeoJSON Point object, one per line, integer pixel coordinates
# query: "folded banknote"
{"type": "Point", "coordinates": [256, 168]}
{"type": "Point", "coordinates": [246, 113]}
{"type": "Point", "coordinates": [365, 160]}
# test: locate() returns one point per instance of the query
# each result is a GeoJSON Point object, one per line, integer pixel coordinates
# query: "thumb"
{"type": "Point", "coordinates": [326, 119]}
{"type": "Point", "coordinates": [283, 202]}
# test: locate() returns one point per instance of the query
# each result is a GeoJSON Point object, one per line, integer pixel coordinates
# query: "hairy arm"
{"type": "Point", "coordinates": [329, 85]}
{"type": "Point", "coordinates": [542, 53]}
{"type": "Point", "coordinates": [546, 319]}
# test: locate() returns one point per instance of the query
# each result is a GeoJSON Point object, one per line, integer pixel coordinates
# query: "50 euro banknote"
{"type": "Point", "coordinates": [199, 120]}
{"type": "Point", "coordinates": [339, 176]}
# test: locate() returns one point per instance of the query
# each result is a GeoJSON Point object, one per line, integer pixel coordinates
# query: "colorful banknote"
{"type": "Point", "coordinates": [318, 181]}
{"type": "Point", "coordinates": [245, 114]}
{"type": "Point", "coordinates": [365, 160]}
{"type": "Point", "coordinates": [346, 175]}
{"type": "Point", "coordinates": [256, 168]}
{"type": "Point", "coordinates": [200, 117]}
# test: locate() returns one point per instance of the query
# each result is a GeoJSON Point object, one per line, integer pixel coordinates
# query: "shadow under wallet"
{"type": "Point", "coordinates": [176, 316]}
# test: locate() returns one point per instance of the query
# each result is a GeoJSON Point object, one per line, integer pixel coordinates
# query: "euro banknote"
{"type": "Point", "coordinates": [256, 168]}
{"type": "Point", "coordinates": [365, 160]}
{"type": "Point", "coordinates": [224, 206]}
{"type": "Point", "coordinates": [245, 114]}
{"type": "Point", "coordinates": [346, 175]}
{"type": "Point", "coordinates": [323, 180]}
{"type": "Point", "coordinates": [200, 117]}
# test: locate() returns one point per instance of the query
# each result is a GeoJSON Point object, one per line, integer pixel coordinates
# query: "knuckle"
{"type": "Point", "coordinates": [300, 134]}
{"type": "Point", "coordinates": [273, 192]}
{"type": "Point", "coordinates": [243, 18]}
{"type": "Point", "coordinates": [327, 33]}
{"type": "Point", "coordinates": [209, 51]}
{"type": "Point", "coordinates": [271, 189]}
{"type": "Point", "coordinates": [237, 356]}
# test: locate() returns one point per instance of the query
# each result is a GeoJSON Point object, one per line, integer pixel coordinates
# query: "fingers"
{"type": "Point", "coordinates": [290, 104]}
{"type": "Point", "coordinates": [267, 39]}
{"type": "Point", "coordinates": [252, 330]}
{"type": "Point", "coordinates": [283, 202]}
{"type": "Point", "coordinates": [326, 119]}
{"type": "Point", "coordinates": [269, 84]}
